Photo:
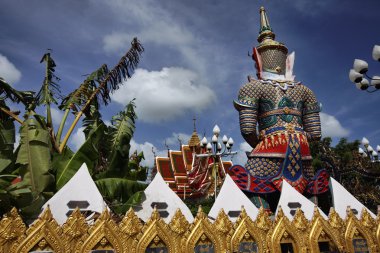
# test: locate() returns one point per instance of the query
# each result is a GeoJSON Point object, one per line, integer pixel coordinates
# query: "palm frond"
{"type": "Point", "coordinates": [109, 81]}
{"type": "Point", "coordinates": [120, 136]}
{"type": "Point", "coordinates": [76, 99]}
{"type": "Point", "coordinates": [8, 92]}
{"type": "Point", "coordinates": [50, 90]}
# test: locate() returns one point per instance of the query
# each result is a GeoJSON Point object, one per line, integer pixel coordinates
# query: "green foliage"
{"type": "Point", "coordinates": [87, 153]}
{"type": "Point", "coordinates": [121, 193]}
{"type": "Point", "coordinates": [357, 174]}
{"type": "Point", "coordinates": [40, 168]}
{"type": "Point", "coordinates": [33, 158]}
{"type": "Point", "coordinates": [50, 89]}
{"type": "Point", "coordinates": [193, 205]}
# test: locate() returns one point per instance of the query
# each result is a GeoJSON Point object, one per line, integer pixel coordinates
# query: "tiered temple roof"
{"type": "Point", "coordinates": [186, 175]}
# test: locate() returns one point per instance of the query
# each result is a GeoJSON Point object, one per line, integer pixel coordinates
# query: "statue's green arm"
{"type": "Point", "coordinates": [247, 105]}
{"type": "Point", "coordinates": [311, 119]}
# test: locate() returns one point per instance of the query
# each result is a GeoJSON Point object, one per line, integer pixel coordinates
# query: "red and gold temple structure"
{"type": "Point", "coordinates": [188, 175]}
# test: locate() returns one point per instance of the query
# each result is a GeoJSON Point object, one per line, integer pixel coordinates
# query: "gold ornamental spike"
{"type": "Point", "coordinates": [265, 29]}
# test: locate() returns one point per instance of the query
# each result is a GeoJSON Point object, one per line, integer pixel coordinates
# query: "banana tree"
{"type": "Point", "coordinates": [43, 163]}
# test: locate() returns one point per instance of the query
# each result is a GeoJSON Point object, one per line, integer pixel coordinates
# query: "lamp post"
{"type": "Point", "coordinates": [360, 69]}
{"type": "Point", "coordinates": [369, 151]}
{"type": "Point", "coordinates": [215, 150]}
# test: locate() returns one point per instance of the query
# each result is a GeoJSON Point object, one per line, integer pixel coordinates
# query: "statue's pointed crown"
{"type": "Point", "coordinates": [273, 53]}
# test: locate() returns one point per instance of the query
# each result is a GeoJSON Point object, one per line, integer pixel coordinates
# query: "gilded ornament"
{"type": "Point", "coordinates": [299, 220]}
{"type": "Point", "coordinates": [356, 231]}
{"type": "Point", "coordinates": [130, 224]}
{"type": "Point", "coordinates": [44, 233]}
{"type": "Point", "coordinates": [179, 224]}
{"type": "Point", "coordinates": [153, 228]}
{"type": "Point", "coordinates": [12, 228]}
{"type": "Point", "coordinates": [104, 234]}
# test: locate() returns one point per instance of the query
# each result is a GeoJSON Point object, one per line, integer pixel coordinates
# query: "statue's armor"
{"type": "Point", "coordinates": [287, 115]}
{"type": "Point", "coordinates": [278, 118]}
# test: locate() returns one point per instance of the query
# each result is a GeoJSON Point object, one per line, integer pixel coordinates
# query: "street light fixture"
{"type": "Point", "coordinates": [217, 151]}
{"type": "Point", "coordinates": [369, 151]}
{"type": "Point", "coordinates": [360, 69]}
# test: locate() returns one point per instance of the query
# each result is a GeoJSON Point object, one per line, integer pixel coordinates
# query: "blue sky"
{"type": "Point", "coordinates": [196, 58]}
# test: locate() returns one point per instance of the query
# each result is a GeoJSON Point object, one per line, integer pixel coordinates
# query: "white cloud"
{"type": "Point", "coordinates": [158, 26]}
{"type": "Point", "coordinates": [146, 147]}
{"type": "Point", "coordinates": [173, 140]}
{"type": "Point", "coordinates": [331, 127]}
{"type": "Point", "coordinates": [166, 94]}
{"type": "Point", "coordinates": [241, 157]}
{"type": "Point", "coordinates": [56, 116]}
{"type": "Point", "coordinates": [17, 141]}
{"type": "Point", "coordinates": [8, 71]}
{"type": "Point", "coordinates": [77, 139]}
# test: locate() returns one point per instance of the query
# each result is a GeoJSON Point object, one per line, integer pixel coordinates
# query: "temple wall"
{"type": "Point", "coordinates": [131, 235]}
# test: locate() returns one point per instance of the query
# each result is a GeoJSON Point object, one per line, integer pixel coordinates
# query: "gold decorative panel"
{"type": "Point", "coordinates": [131, 235]}
{"type": "Point", "coordinates": [43, 234]}
{"type": "Point", "coordinates": [321, 231]}
{"type": "Point", "coordinates": [357, 235]}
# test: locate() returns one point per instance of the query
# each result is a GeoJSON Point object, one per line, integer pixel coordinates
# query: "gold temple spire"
{"type": "Point", "coordinates": [266, 31]}
{"type": "Point", "coordinates": [272, 53]}
{"type": "Point", "coordinates": [194, 139]}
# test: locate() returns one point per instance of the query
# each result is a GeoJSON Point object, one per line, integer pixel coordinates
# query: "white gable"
{"type": "Point", "coordinates": [159, 194]}
{"type": "Point", "coordinates": [231, 199]}
{"type": "Point", "coordinates": [291, 199]}
{"type": "Point", "coordinates": [80, 191]}
{"type": "Point", "coordinates": [342, 199]}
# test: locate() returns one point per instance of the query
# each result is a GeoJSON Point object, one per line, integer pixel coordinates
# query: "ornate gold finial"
{"type": "Point", "coordinates": [272, 53]}
{"type": "Point", "coordinates": [299, 220]}
{"type": "Point", "coordinates": [200, 214]}
{"type": "Point", "coordinates": [262, 220]}
{"type": "Point", "coordinates": [265, 29]}
{"type": "Point", "coordinates": [223, 223]}
{"type": "Point", "coordinates": [179, 224]}
{"type": "Point", "coordinates": [243, 213]}
{"type": "Point", "coordinates": [47, 215]}
{"type": "Point", "coordinates": [194, 139]}
{"type": "Point", "coordinates": [155, 214]}
{"type": "Point", "coordinates": [75, 226]}
{"type": "Point", "coordinates": [334, 219]}
{"type": "Point", "coordinates": [130, 224]}
{"type": "Point", "coordinates": [280, 213]}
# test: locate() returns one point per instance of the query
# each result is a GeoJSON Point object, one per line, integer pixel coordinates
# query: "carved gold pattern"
{"type": "Point", "coordinates": [130, 226]}
{"type": "Point", "coordinates": [257, 230]}
{"type": "Point", "coordinates": [179, 236]}
{"type": "Point", "coordinates": [104, 234]}
{"type": "Point", "coordinates": [75, 229]}
{"type": "Point", "coordinates": [321, 230]}
{"type": "Point", "coordinates": [12, 228]}
{"type": "Point", "coordinates": [203, 227]}
{"type": "Point", "coordinates": [354, 229]}
{"type": "Point", "coordinates": [156, 227]}
{"type": "Point", "coordinates": [224, 228]}
{"type": "Point", "coordinates": [283, 231]}
{"type": "Point", "coordinates": [43, 234]}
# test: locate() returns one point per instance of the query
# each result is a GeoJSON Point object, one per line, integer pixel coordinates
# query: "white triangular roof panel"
{"type": "Point", "coordinates": [80, 191]}
{"type": "Point", "coordinates": [343, 199]}
{"type": "Point", "coordinates": [291, 199]}
{"type": "Point", "coordinates": [231, 199]}
{"type": "Point", "coordinates": [159, 194]}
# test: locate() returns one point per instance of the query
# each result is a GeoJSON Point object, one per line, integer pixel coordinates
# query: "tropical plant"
{"type": "Point", "coordinates": [42, 163]}
{"type": "Point", "coordinates": [357, 174]}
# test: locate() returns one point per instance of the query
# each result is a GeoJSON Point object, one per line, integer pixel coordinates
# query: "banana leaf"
{"type": "Point", "coordinates": [119, 137]}
{"type": "Point", "coordinates": [121, 192]}
{"type": "Point", "coordinates": [33, 158]}
{"type": "Point", "coordinates": [87, 153]}
{"type": "Point", "coordinates": [7, 140]}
